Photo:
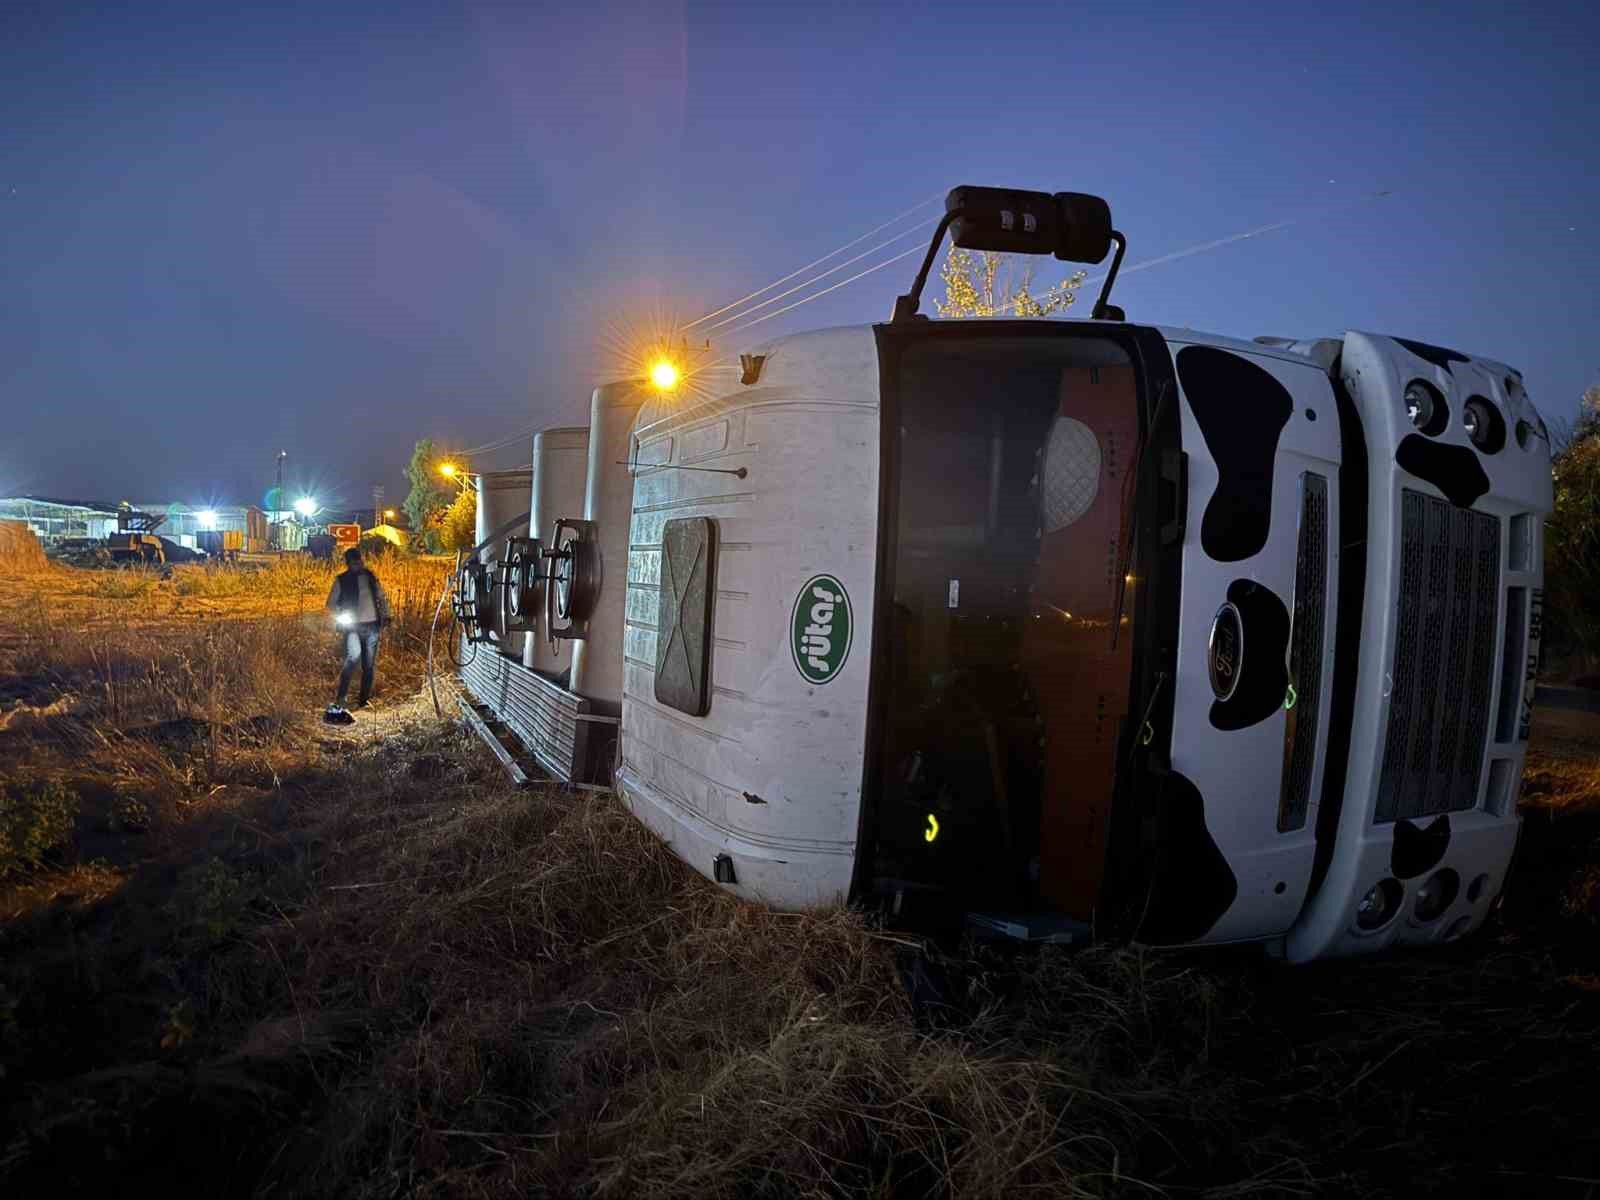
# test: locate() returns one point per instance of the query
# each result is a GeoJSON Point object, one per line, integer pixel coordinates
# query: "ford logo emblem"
{"type": "Point", "coordinates": [1225, 652]}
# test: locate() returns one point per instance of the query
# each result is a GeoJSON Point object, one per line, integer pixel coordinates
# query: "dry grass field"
{"type": "Point", "coordinates": [245, 953]}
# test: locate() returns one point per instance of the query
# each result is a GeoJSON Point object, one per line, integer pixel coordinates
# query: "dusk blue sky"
{"type": "Point", "coordinates": [333, 228]}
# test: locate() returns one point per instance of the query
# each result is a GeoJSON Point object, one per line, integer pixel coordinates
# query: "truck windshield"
{"type": "Point", "coordinates": [1008, 665]}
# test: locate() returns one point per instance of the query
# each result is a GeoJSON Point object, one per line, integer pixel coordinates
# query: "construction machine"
{"type": "Point", "coordinates": [135, 540]}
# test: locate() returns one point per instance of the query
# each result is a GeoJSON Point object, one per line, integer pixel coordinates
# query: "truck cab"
{"type": "Point", "coordinates": [1083, 628]}
{"type": "Point", "coordinates": [1155, 632]}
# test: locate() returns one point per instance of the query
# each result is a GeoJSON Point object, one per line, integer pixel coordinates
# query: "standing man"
{"type": "Point", "coordinates": [360, 611]}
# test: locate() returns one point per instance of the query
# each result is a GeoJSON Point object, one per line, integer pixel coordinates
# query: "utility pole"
{"type": "Point", "coordinates": [277, 499]}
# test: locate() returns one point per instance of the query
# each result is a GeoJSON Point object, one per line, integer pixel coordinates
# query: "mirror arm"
{"type": "Point", "coordinates": [1101, 304]}
{"type": "Point", "coordinates": [905, 307]}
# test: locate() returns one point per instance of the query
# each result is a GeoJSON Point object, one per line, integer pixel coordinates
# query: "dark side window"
{"type": "Point", "coordinates": [683, 618]}
{"type": "Point", "coordinates": [1008, 657]}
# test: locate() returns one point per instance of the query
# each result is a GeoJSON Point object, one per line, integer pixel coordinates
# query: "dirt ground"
{"type": "Point", "coordinates": [265, 956]}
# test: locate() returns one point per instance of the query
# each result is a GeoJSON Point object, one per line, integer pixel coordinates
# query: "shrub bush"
{"type": "Point", "coordinates": [34, 820]}
{"type": "Point", "coordinates": [1572, 540]}
{"type": "Point", "coordinates": [128, 814]}
{"type": "Point", "coordinates": [219, 899]}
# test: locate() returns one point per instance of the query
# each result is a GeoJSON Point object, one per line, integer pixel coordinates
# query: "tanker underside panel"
{"type": "Point", "coordinates": [550, 721]}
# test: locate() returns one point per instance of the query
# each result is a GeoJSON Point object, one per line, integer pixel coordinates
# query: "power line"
{"type": "Point", "coordinates": [1214, 244]}
{"type": "Point", "coordinates": [1200, 248]}
{"type": "Point", "coordinates": [815, 263]}
{"type": "Point", "coordinates": [743, 324]}
{"type": "Point", "coordinates": [835, 287]}
{"type": "Point", "coordinates": [799, 287]}
{"type": "Point", "coordinates": [501, 443]}
{"type": "Point", "coordinates": [1218, 243]}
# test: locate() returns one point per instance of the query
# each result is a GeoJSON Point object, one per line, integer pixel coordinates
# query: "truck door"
{"type": "Point", "coordinates": [1005, 652]}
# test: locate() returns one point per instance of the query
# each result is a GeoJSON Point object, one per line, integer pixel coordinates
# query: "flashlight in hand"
{"type": "Point", "coordinates": [344, 620]}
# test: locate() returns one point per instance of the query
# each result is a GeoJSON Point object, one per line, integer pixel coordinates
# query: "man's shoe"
{"type": "Point", "coordinates": [334, 715]}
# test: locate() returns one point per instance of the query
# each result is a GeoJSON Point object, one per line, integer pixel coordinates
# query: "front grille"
{"type": "Point", "coordinates": [1443, 666]}
{"type": "Point", "coordinates": [1305, 653]}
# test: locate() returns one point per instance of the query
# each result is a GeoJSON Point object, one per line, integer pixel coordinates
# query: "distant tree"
{"type": "Point", "coordinates": [1572, 536]}
{"type": "Point", "coordinates": [431, 493]}
{"type": "Point", "coordinates": [375, 548]}
{"type": "Point", "coordinates": [457, 527]}
{"type": "Point", "coordinates": [983, 284]}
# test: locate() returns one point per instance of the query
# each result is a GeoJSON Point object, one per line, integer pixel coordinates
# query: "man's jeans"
{"type": "Point", "coordinates": [360, 646]}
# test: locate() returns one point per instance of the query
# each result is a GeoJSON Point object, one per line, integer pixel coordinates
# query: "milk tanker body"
{"type": "Point", "coordinates": [1073, 627]}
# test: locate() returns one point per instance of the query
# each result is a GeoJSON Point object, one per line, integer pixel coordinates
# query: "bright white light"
{"type": "Point", "coordinates": [344, 620]}
{"type": "Point", "coordinates": [207, 519]}
{"type": "Point", "coordinates": [305, 506]}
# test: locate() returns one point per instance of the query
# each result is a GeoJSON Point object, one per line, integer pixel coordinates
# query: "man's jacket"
{"type": "Point", "coordinates": [357, 591]}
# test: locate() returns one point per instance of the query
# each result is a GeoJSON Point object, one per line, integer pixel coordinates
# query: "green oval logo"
{"type": "Point", "coordinates": [820, 628]}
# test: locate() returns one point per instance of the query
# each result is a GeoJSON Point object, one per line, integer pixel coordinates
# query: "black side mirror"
{"type": "Point", "coordinates": [1003, 220]}
{"type": "Point", "coordinates": [1085, 232]}
{"type": "Point", "coordinates": [1073, 226]}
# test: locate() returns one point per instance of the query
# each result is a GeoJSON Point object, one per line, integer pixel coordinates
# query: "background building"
{"type": "Point", "coordinates": [55, 520]}
{"type": "Point", "coordinates": [184, 522]}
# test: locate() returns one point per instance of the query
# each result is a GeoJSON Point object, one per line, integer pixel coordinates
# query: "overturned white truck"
{"type": "Point", "coordinates": [1068, 627]}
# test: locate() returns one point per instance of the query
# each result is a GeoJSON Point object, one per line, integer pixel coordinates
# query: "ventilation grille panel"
{"type": "Point", "coordinates": [1443, 669]}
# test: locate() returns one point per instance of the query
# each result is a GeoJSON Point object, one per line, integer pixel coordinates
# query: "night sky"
{"type": "Point", "coordinates": [333, 228]}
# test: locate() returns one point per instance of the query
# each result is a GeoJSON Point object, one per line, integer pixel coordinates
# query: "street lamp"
{"type": "Point", "coordinates": [451, 471]}
{"type": "Point", "coordinates": [306, 506]}
{"type": "Point", "coordinates": [664, 375]}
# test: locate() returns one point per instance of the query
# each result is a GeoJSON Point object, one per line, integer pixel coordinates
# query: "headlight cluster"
{"type": "Point", "coordinates": [1437, 895]}
{"type": "Point", "coordinates": [1379, 905]}
{"type": "Point", "coordinates": [1426, 408]}
{"type": "Point", "coordinates": [1431, 900]}
{"type": "Point", "coordinates": [1484, 425]}
{"type": "Point", "coordinates": [1480, 417]}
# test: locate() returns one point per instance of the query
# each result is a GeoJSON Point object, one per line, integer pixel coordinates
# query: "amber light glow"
{"type": "Point", "coordinates": [664, 375]}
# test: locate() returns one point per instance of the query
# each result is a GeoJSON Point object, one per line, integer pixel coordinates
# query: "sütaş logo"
{"type": "Point", "coordinates": [820, 628]}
